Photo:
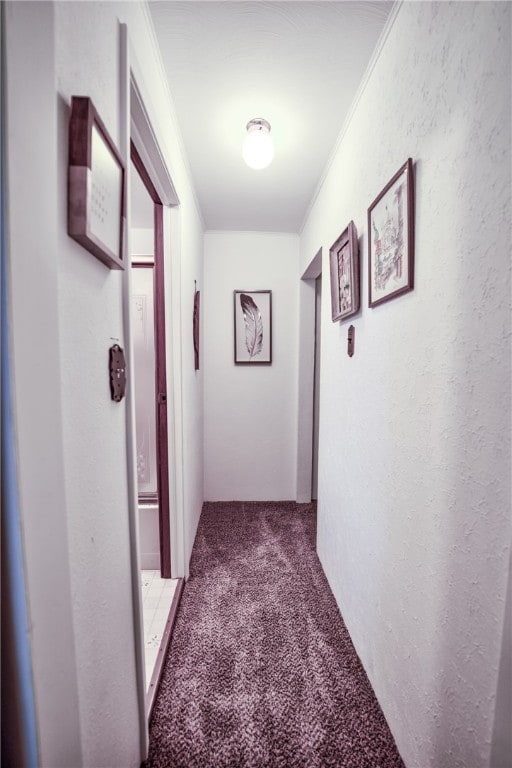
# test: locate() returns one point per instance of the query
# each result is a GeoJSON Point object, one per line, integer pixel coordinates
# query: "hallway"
{"type": "Point", "coordinates": [414, 526]}
{"type": "Point", "coordinates": [261, 671]}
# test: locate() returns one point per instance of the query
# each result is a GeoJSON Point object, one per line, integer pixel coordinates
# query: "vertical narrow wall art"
{"type": "Point", "coordinates": [344, 262]}
{"type": "Point", "coordinates": [253, 327]}
{"type": "Point", "coordinates": [195, 328]}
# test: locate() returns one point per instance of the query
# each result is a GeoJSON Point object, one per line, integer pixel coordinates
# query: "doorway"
{"type": "Point", "coordinates": [146, 164]}
{"type": "Point", "coordinates": [309, 380]}
{"type": "Point", "coordinates": [160, 593]}
{"type": "Point", "coordinates": [316, 387]}
{"type": "Point", "coordinates": [148, 307]}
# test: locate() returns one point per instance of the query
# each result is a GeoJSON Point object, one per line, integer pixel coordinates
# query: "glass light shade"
{"type": "Point", "coordinates": [258, 149]}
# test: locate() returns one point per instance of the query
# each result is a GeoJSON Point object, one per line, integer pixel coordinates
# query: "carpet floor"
{"type": "Point", "coordinates": [261, 671]}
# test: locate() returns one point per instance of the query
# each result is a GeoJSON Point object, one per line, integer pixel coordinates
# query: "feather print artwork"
{"type": "Point", "coordinates": [253, 325]}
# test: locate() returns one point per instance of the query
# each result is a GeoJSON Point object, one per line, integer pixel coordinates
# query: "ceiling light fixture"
{"type": "Point", "coordinates": [258, 149]}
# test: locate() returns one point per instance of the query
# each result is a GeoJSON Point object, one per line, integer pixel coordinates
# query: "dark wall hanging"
{"type": "Point", "coordinates": [351, 341]}
{"type": "Point", "coordinates": [117, 370]}
{"type": "Point", "coordinates": [253, 327]}
{"type": "Point", "coordinates": [391, 238]}
{"type": "Point", "coordinates": [195, 326]}
{"type": "Point", "coordinates": [344, 259]}
{"type": "Point", "coordinates": [95, 185]}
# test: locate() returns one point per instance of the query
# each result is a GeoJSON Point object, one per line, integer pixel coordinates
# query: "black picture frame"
{"type": "Point", "coordinates": [253, 327]}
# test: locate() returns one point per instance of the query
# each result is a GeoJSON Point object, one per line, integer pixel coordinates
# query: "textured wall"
{"type": "Point", "coordinates": [250, 411]}
{"type": "Point", "coordinates": [88, 62]}
{"type": "Point", "coordinates": [414, 512]}
{"type": "Point", "coordinates": [91, 316]}
{"type": "Point", "coordinates": [35, 358]}
{"type": "Point", "coordinates": [72, 436]}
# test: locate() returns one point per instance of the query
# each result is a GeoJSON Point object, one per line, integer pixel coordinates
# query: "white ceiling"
{"type": "Point", "coordinates": [296, 64]}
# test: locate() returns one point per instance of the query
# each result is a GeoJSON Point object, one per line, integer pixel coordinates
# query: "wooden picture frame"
{"type": "Point", "coordinates": [345, 283]}
{"type": "Point", "coordinates": [95, 186]}
{"type": "Point", "coordinates": [391, 238]}
{"type": "Point", "coordinates": [253, 327]}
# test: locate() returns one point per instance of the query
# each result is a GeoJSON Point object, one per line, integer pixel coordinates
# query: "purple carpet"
{"type": "Point", "coordinates": [261, 671]}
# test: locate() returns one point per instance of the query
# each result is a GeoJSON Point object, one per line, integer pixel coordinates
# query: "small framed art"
{"type": "Point", "coordinates": [253, 327]}
{"type": "Point", "coordinates": [344, 259]}
{"type": "Point", "coordinates": [95, 185]}
{"type": "Point", "coordinates": [391, 238]}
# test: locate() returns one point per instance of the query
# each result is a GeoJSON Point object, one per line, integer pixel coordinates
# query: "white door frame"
{"type": "Point", "coordinates": [138, 128]}
{"type": "Point", "coordinates": [306, 378]}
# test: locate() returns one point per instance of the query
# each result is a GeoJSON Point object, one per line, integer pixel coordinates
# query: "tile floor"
{"type": "Point", "coordinates": [157, 597]}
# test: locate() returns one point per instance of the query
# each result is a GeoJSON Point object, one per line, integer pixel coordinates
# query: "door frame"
{"type": "Point", "coordinates": [137, 127]}
{"type": "Point", "coordinates": [307, 299]}
{"type": "Point", "coordinates": [316, 387]}
{"type": "Point", "coordinates": [162, 449]}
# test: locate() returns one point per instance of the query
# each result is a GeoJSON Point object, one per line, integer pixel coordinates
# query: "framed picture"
{"type": "Point", "coordinates": [391, 239]}
{"type": "Point", "coordinates": [253, 327]}
{"type": "Point", "coordinates": [95, 186]}
{"type": "Point", "coordinates": [344, 258]}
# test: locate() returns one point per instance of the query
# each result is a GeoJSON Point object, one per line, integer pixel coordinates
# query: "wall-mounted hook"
{"type": "Point", "coordinates": [351, 340]}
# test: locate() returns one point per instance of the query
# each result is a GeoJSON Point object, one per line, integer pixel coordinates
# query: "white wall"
{"type": "Point", "coordinates": [77, 312]}
{"type": "Point", "coordinates": [192, 385]}
{"type": "Point", "coordinates": [32, 266]}
{"type": "Point", "coordinates": [142, 242]}
{"type": "Point", "coordinates": [414, 521]}
{"type": "Point", "coordinates": [250, 411]}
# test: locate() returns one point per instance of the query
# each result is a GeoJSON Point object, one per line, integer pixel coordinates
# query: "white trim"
{"type": "Point", "coordinates": [362, 87]}
{"type": "Point", "coordinates": [307, 295]}
{"type": "Point", "coordinates": [172, 267]}
{"type": "Point", "coordinates": [172, 244]}
{"type": "Point", "coordinates": [131, 452]}
{"type": "Point", "coordinates": [315, 268]}
{"type": "Point", "coordinates": [137, 125]}
{"type": "Point", "coordinates": [147, 145]}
